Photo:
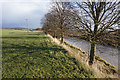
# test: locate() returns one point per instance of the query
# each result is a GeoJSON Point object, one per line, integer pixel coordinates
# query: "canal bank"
{"type": "Point", "coordinates": [107, 53]}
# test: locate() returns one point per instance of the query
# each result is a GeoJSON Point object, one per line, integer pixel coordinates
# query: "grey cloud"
{"type": "Point", "coordinates": [14, 14]}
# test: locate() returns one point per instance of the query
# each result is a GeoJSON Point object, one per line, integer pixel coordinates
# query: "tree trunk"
{"type": "Point", "coordinates": [54, 36]}
{"type": "Point", "coordinates": [92, 53]}
{"type": "Point", "coordinates": [45, 32]}
{"type": "Point", "coordinates": [61, 38]}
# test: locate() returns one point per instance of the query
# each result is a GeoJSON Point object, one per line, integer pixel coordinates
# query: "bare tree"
{"type": "Point", "coordinates": [58, 19]}
{"type": "Point", "coordinates": [50, 22]}
{"type": "Point", "coordinates": [97, 19]}
{"type": "Point", "coordinates": [62, 11]}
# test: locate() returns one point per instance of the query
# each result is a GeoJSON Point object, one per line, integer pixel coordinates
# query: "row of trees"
{"type": "Point", "coordinates": [96, 19]}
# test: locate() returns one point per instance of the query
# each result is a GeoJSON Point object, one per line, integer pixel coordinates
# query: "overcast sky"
{"type": "Point", "coordinates": [15, 13]}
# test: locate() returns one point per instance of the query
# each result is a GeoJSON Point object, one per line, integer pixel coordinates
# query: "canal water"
{"type": "Point", "coordinates": [107, 53]}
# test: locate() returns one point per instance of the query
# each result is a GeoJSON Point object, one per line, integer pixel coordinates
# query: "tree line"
{"type": "Point", "coordinates": [96, 19]}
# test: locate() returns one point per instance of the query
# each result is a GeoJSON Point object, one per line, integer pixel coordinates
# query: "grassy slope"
{"type": "Point", "coordinates": [33, 54]}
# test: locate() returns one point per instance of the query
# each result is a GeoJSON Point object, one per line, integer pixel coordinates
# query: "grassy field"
{"type": "Point", "coordinates": [35, 55]}
{"type": "Point", "coordinates": [10, 31]}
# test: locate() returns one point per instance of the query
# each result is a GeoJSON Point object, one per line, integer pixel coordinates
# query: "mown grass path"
{"type": "Point", "coordinates": [35, 55]}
